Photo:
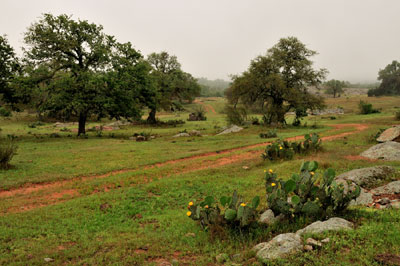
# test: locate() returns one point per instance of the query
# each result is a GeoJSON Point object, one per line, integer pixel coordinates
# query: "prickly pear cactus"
{"type": "Point", "coordinates": [308, 194]}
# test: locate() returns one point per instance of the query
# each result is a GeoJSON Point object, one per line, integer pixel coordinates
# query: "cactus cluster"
{"type": "Point", "coordinates": [231, 211]}
{"type": "Point", "coordinates": [284, 150]}
{"type": "Point", "coordinates": [306, 194]}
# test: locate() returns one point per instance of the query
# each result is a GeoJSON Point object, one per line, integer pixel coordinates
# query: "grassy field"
{"type": "Point", "coordinates": [114, 201]}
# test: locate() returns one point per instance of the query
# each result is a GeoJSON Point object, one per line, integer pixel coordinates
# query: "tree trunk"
{"type": "Point", "coordinates": [82, 123]}
{"type": "Point", "coordinates": [151, 119]}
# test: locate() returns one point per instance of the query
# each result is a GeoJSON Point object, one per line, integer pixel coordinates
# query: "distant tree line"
{"type": "Point", "coordinates": [213, 88]}
{"type": "Point", "coordinates": [71, 69]}
{"type": "Point", "coordinates": [390, 81]}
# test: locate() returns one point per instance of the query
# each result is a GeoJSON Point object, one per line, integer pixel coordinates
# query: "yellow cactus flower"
{"type": "Point", "coordinates": [280, 147]}
{"type": "Point", "coordinates": [191, 203]}
{"type": "Point", "coordinates": [243, 204]}
{"type": "Point", "coordinates": [189, 213]}
{"type": "Point", "coordinates": [273, 184]}
{"type": "Point", "coordinates": [312, 173]}
{"type": "Point", "coordinates": [206, 206]}
{"type": "Point", "coordinates": [270, 171]}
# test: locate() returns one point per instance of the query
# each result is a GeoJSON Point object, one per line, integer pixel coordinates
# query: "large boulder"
{"type": "Point", "coordinates": [365, 199]}
{"type": "Point", "coordinates": [231, 129]}
{"type": "Point", "coordinates": [280, 246]}
{"type": "Point", "coordinates": [333, 224]}
{"type": "Point", "coordinates": [368, 177]}
{"type": "Point", "coordinates": [391, 188]}
{"type": "Point", "coordinates": [390, 134]}
{"type": "Point", "coordinates": [388, 151]}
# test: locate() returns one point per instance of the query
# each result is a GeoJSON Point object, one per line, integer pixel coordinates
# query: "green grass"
{"type": "Point", "coordinates": [140, 219]}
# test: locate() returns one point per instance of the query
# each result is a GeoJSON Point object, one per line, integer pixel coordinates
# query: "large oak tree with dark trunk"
{"type": "Point", "coordinates": [80, 71]}
{"type": "Point", "coordinates": [172, 85]}
{"type": "Point", "coordinates": [277, 82]}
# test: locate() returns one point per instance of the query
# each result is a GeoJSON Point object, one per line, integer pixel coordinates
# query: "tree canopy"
{"type": "Point", "coordinates": [172, 85]}
{"type": "Point", "coordinates": [9, 65]}
{"type": "Point", "coordinates": [335, 87]}
{"type": "Point", "coordinates": [80, 71]}
{"type": "Point", "coordinates": [390, 81]}
{"type": "Point", "coordinates": [277, 82]}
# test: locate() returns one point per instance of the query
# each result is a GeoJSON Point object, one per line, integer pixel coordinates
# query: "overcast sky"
{"type": "Point", "coordinates": [216, 38]}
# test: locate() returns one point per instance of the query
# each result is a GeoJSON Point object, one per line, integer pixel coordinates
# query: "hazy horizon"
{"type": "Point", "coordinates": [214, 39]}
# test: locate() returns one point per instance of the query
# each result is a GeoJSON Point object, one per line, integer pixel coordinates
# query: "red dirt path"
{"type": "Point", "coordinates": [59, 196]}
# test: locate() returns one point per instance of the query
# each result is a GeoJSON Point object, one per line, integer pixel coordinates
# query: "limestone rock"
{"type": "Point", "coordinates": [388, 151]}
{"type": "Point", "coordinates": [312, 242]}
{"type": "Point", "coordinates": [365, 199]}
{"type": "Point", "coordinates": [333, 224]}
{"type": "Point", "coordinates": [368, 177]}
{"type": "Point", "coordinates": [390, 134]}
{"type": "Point", "coordinates": [391, 188]}
{"type": "Point", "coordinates": [280, 246]}
{"type": "Point", "coordinates": [231, 129]}
{"type": "Point", "coordinates": [182, 135]}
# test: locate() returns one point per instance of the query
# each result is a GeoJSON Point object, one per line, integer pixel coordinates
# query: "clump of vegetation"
{"type": "Point", "coordinates": [235, 115]}
{"type": "Point", "coordinates": [4, 112]}
{"type": "Point", "coordinates": [35, 124]}
{"type": "Point", "coordinates": [199, 114]}
{"type": "Point", "coordinates": [232, 212]}
{"type": "Point", "coordinates": [8, 149]}
{"type": "Point", "coordinates": [397, 115]}
{"type": "Point", "coordinates": [306, 194]}
{"type": "Point", "coordinates": [255, 121]}
{"type": "Point", "coordinates": [284, 150]}
{"type": "Point", "coordinates": [372, 138]}
{"type": "Point", "coordinates": [142, 136]}
{"type": "Point", "coordinates": [366, 108]}
{"type": "Point", "coordinates": [270, 134]}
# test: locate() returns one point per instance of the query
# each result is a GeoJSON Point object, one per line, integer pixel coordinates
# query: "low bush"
{"type": "Point", "coordinates": [270, 134]}
{"type": "Point", "coordinates": [397, 115]}
{"type": "Point", "coordinates": [284, 150]}
{"type": "Point", "coordinates": [306, 194]}
{"type": "Point", "coordinates": [366, 108]}
{"type": "Point", "coordinates": [198, 114]}
{"type": "Point", "coordinates": [4, 112]}
{"type": "Point", "coordinates": [235, 115]}
{"type": "Point", "coordinates": [8, 149]}
{"type": "Point", "coordinates": [231, 212]}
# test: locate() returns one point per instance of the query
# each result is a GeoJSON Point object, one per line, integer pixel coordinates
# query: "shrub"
{"type": "Point", "coordinates": [8, 149]}
{"type": "Point", "coordinates": [397, 115]}
{"type": "Point", "coordinates": [305, 194]}
{"type": "Point", "coordinates": [366, 108]}
{"type": "Point", "coordinates": [199, 114]}
{"type": "Point", "coordinates": [372, 138]}
{"type": "Point", "coordinates": [270, 134]}
{"type": "Point", "coordinates": [231, 212]}
{"type": "Point", "coordinates": [255, 121]}
{"type": "Point", "coordinates": [284, 150]}
{"type": "Point", "coordinates": [4, 112]}
{"type": "Point", "coordinates": [235, 115]}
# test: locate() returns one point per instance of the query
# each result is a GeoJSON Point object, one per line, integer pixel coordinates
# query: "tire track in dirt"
{"type": "Point", "coordinates": [29, 201]}
{"type": "Point", "coordinates": [208, 107]}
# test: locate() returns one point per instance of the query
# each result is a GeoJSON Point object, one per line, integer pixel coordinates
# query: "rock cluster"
{"type": "Point", "coordinates": [288, 244]}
